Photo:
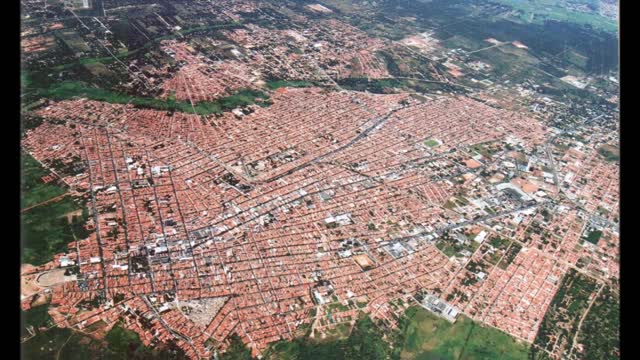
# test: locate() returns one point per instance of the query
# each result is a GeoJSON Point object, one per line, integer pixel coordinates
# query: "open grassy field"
{"type": "Point", "coordinates": [538, 11]}
{"type": "Point", "coordinates": [426, 336]}
{"type": "Point", "coordinates": [364, 342]}
{"type": "Point", "coordinates": [431, 143]}
{"type": "Point", "coordinates": [33, 190]}
{"type": "Point", "coordinates": [594, 236]}
{"type": "Point", "coordinates": [421, 335]}
{"type": "Point", "coordinates": [45, 230]}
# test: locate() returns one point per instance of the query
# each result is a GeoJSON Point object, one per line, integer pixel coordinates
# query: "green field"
{"type": "Point", "coordinates": [275, 84]}
{"type": "Point", "coordinates": [426, 336]}
{"type": "Point", "coordinates": [610, 153]}
{"type": "Point", "coordinates": [538, 11]}
{"type": "Point", "coordinates": [33, 190]}
{"type": "Point", "coordinates": [365, 342]}
{"type": "Point", "coordinates": [71, 89]}
{"type": "Point", "coordinates": [386, 86]}
{"type": "Point", "coordinates": [431, 143]}
{"type": "Point", "coordinates": [594, 236]}
{"type": "Point", "coordinates": [421, 335]}
{"type": "Point", "coordinates": [45, 230]}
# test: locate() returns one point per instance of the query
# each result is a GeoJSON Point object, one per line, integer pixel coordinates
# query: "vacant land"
{"type": "Point", "coordinates": [426, 336]}
{"type": "Point", "coordinates": [365, 342]}
{"type": "Point", "coordinates": [36, 317]}
{"type": "Point", "coordinates": [539, 11]}
{"type": "Point", "coordinates": [33, 189]}
{"type": "Point", "coordinates": [46, 231]}
{"type": "Point", "coordinates": [421, 335]}
{"type": "Point", "coordinates": [549, 32]}
{"type": "Point", "coordinates": [610, 153]}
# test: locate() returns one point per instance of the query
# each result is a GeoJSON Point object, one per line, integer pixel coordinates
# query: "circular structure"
{"type": "Point", "coordinates": [51, 278]}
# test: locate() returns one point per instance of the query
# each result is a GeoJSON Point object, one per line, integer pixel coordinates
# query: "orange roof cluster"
{"type": "Point", "coordinates": [325, 202]}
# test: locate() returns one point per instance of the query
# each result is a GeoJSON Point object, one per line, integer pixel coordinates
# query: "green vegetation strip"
{"type": "Point", "coordinates": [276, 84]}
{"type": "Point", "coordinates": [71, 89]}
